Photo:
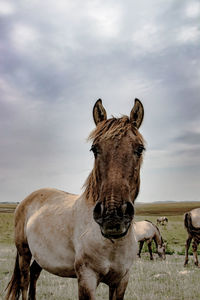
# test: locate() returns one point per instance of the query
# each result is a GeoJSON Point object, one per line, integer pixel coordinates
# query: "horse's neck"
{"type": "Point", "coordinates": [158, 237]}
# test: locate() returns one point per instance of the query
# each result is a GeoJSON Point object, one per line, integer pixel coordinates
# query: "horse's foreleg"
{"type": "Point", "coordinates": [87, 282]}
{"type": "Point", "coordinates": [112, 293]}
{"type": "Point", "coordinates": [150, 249]}
{"type": "Point", "coordinates": [117, 292]}
{"type": "Point", "coordinates": [140, 248]}
{"type": "Point", "coordinates": [187, 246]}
{"type": "Point", "coordinates": [35, 271]}
{"type": "Point", "coordinates": [195, 255]}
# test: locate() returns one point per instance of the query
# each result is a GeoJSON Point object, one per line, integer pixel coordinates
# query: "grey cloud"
{"type": "Point", "coordinates": [52, 83]}
{"type": "Point", "coordinates": [190, 138]}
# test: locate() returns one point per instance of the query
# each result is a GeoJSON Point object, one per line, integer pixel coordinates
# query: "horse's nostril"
{"type": "Point", "coordinates": [129, 209]}
{"type": "Point", "coordinates": [97, 213]}
{"type": "Point", "coordinates": [118, 227]}
{"type": "Point", "coordinates": [119, 212]}
{"type": "Point", "coordinates": [97, 209]}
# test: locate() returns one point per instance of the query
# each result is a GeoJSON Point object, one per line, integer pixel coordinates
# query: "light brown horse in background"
{"type": "Point", "coordinates": [89, 237]}
{"type": "Point", "coordinates": [162, 220]}
{"type": "Point", "coordinates": [147, 232]}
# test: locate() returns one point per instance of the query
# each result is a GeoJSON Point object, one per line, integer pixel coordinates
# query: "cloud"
{"type": "Point", "coordinates": [58, 58]}
{"type": "Point", "coordinates": [189, 34]}
{"type": "Point", "coordinates": [192, 9]}
{"type": "Point", "coordinates": [189, 138]}
{"type": "Point", "coordinates": [24, 38]}
{"type": "Point", "coordinates": [6, 8]}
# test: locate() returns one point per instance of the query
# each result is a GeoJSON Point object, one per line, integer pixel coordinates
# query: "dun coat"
{"type": "Point", "coordinates": [88, 236]}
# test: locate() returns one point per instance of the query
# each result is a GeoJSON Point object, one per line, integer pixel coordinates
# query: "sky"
{"type": "Point", "coordinates": [58, 57]}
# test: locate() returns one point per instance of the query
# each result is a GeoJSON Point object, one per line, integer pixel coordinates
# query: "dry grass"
{"type": "Point", "coordinates": [158, 280]}
{"type": "Point", "coordinates": [166, 280]}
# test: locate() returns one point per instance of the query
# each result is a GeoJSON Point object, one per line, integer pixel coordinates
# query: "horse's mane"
{"type": "Point", "coordinates": [108, 129]}
{"type": "Point", "coordinates": [157, 229]}
{"type": "Point", "coordinates": [194, 231]}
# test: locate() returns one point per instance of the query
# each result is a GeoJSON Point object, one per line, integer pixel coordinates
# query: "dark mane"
{"type": "Point", "coordinates": [156, 228]}
{"type": "Point", "coordinates": [194, 231]}
{"type": "Point", "coordinates": [108, 129]}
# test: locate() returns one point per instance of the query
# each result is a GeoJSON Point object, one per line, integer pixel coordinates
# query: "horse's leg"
{"type": "Point", "coordinates": [87, 281]}
{"type": "Point", "coordinates": [35, 271]}
{"type": "Point", "coordinates": [194, 248]}
{"type": "Point", "coordinates": [140, 248]}
{"type": "Point", "coordinates": [112, 292]}
{"type": "Point", "coordinates": [24, 266]}
{"type": "Point", "coordinates": [150, 249]}
{"type": "Point", "coordinates": [187, 246]}
{"type": "Point", "coordinates": [117, 292]}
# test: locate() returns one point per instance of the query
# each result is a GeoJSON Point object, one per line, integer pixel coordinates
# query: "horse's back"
{"type": "Point", "coordinates": [195, 215]}
{"type": "Point", "coordinates": [144, 230]}
{"type": "Point", "coordinates": [40, 198]}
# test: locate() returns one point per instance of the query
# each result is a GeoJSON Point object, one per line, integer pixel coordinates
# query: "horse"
{"type": "Point", "coordinates": [87, 236]}
{"type": "Point", "coordinates": [162, 220]}
{"type": "Point", "coordinates": [146, 231]}
{"type": "Point", "coordinates": [192, 225]}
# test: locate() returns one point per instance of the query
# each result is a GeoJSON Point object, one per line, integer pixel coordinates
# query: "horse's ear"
{"type": "Point", "coordinates": [99, 112]}
{"type": "Point", "coordinates": [137, 113]}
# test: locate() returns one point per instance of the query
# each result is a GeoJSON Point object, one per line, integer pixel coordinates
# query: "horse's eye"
{"type": "Point", "coordinates": [139, 150]}
{"type": "Point", "coordinates": [95, 150]}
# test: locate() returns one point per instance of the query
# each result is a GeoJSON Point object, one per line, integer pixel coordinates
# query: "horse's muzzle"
{"type": "Point", "coordinates": [114, 224]}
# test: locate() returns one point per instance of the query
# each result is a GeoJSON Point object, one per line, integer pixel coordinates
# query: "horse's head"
{"type": "Point", "coordinates": [114, 182]}
{"type": "Point", "coordinates": [161, 251]}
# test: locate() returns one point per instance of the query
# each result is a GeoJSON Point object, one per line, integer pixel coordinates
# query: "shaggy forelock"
{"type": "Point", "coordinates": [112, 128]}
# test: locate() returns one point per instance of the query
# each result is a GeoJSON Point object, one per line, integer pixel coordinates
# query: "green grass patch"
{"type": "Point", "coordinates": [182, 251]}
{"type": "Point", "coordinates": [6, 228]}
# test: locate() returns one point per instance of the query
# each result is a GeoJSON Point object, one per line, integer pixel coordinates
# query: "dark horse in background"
{"type": "Point", "coordinates": [88, 236]}
{"type": "Point", "coordinates": [192, 224]}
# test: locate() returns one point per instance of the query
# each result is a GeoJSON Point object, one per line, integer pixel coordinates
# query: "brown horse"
{"type": "Point", "coordinates": [192, 224]}
{"type": "Point", "coordinates": [89, 237]}
{"type": "Point", "coordinates": [147, 232]}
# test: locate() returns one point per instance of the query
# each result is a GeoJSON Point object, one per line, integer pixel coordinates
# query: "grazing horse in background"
{"type": "Point", "coordinates": [89, 237]}
{"type": "Point", "coordinates": [162, 220]}
{"type": "Point", "coordinates": [146, 231]}
{"type": "Point", "coordinates": [192, 224]}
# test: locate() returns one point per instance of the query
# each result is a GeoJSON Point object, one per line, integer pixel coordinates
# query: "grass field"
{"type": "Point", "coordinates": [157, 280]}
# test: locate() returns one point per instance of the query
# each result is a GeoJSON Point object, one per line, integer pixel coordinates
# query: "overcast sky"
{"type": "Point", "coordinates": [58, 57]}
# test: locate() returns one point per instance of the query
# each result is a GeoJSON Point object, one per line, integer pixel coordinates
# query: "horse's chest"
{"type": "Point", "coordinates": [115, 267]}
{"type": "Point", "coordinates": [112, 263]}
